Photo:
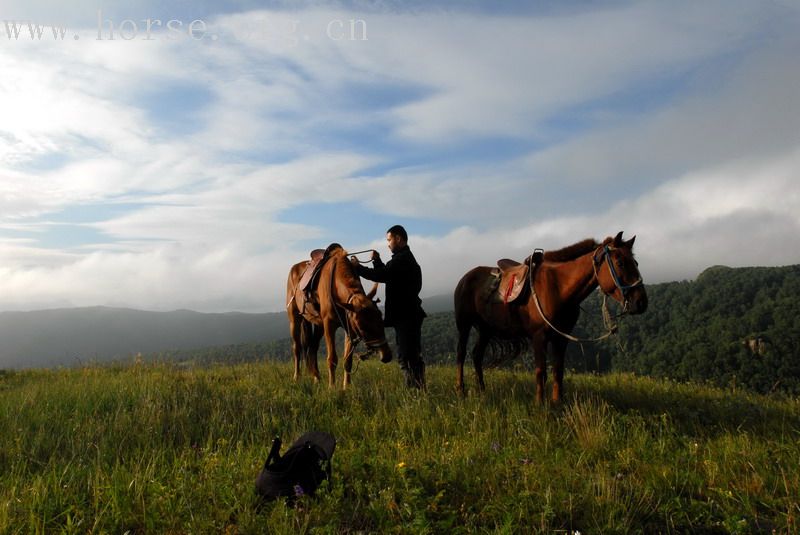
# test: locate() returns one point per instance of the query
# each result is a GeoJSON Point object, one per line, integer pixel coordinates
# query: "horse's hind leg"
{"type": "Point", "coordinates": [477, 357]}
{"type": "Point", "coordinates": [540, 362]}
{"type": "Point", "coordinates": [461, 356]}
{"type": "Point", "coordinates": [297, 345]}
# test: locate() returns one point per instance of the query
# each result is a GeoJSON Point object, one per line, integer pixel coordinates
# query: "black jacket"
{"type": "Point", "coordinates": [403, 278]}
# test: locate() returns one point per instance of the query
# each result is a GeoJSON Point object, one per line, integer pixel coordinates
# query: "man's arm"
{"type": "Point", "coordinates": [377, 273]}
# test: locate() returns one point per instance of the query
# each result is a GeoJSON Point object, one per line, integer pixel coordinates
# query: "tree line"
{"type": "Point", "coordinates": [731, 327]}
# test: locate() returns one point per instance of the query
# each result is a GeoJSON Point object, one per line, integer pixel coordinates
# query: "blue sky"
{"type": "Point", "coordinates": [180, 172]}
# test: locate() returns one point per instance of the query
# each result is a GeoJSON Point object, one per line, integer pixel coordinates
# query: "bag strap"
{"type": "Point", "coordinates": [274, 452]}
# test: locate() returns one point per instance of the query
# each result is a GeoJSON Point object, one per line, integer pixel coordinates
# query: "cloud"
{"type": "Point", "coordinates": [678, 123]}
{"type": "Point", "coordinates": [736, 214]}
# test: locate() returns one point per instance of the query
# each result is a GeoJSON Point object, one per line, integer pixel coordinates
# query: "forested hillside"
{"type": "Point", "coordinates": [730, 327]}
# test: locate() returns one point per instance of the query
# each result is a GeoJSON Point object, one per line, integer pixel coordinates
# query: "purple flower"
{"type": "Point", "coordinates": [298, 491]}
{"type": "Point", "coordinates": [495, 447]}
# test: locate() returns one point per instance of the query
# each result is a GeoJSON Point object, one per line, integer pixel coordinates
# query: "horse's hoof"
{"type": "Point", "coordinates": [386, 358]}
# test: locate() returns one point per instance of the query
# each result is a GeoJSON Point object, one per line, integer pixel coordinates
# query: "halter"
{"type": "Point", "coordinates": [608, 320]}
{"type": "Point", "coordinates": [623, 288]}
{"type": "Point", "coordinates": [345, 323]}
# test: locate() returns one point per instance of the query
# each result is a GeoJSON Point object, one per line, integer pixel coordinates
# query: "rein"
{"type": "Point", "coordinates": [352, 255]}
{"type": "Point", "coordinates": [354, 340]}
{"type": "Point", "coordinates": [608, 320]}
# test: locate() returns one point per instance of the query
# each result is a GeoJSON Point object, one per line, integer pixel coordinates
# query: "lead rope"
{"type": "Point", "coordinates": [345, 324]}
{"type": "Point", "coordinates": [607, 319]}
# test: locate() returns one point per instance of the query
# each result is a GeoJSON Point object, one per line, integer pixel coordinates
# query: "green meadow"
{"type": "Point", "coordinates": [157, 448]}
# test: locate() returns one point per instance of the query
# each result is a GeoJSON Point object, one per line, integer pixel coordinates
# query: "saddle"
{"type": "Point", "coordinates": [304, 294]}
{"type": "Point", "coordinates": [512, 276]}
{"type": "Point", "coordinates": [313, 267]}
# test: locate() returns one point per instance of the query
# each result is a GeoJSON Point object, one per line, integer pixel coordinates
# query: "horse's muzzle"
{"type": "Point", "coordinates": [636, 302]}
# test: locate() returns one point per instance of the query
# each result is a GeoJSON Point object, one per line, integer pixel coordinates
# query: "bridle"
{"type": "Point", "coordinates": [351, 330]}
{"type": "Point", "coordinates": [608, 320]}
{"type": "Point", "coordinates": [597, 258]}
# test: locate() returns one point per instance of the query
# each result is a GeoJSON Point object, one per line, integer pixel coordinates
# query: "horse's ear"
{"type": "Point", "coordinates": [618, 239]}
{"type": "Point", "coordinates": [629, 243]}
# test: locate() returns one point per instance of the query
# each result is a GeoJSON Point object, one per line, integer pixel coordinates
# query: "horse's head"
{"type": "Point", "coordinates": [618, 274]}
{"type": "Point", "coordinates": [363, 314]}
{"type": "Point", "coordinates": [367, 321]}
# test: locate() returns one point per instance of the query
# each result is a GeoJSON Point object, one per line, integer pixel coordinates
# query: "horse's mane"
{"type": "Point", "coordinates": [335, 250]}
{"type": "Point", "coordinates": [571, 252]}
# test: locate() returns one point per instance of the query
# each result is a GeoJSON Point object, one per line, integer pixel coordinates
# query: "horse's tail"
{"type": "Point", "coordinates": [306, 336]}
{"type": "Point", "coordinates": [502, 351]}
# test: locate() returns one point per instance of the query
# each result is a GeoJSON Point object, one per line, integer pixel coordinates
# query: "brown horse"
{"type": "Point", "coordinates": [560, 283]}
{"type": "Point", "coordinates": [339, 301]}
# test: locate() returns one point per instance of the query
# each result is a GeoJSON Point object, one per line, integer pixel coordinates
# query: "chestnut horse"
{"type": "Point", "coordinates": [339, 301]}
{"type": "Point", "coordinates": [561, 282]}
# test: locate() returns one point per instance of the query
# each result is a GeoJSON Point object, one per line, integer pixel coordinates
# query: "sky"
{"type": "Point", "coordinates": [185, 154]}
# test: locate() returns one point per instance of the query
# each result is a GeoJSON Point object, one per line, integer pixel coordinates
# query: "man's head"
{"type": "Point", "coordinates": [396, 238]}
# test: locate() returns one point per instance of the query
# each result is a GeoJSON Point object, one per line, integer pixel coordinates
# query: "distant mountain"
{"type": "Point", "coordinates": [67, 337]}
{"type": "Point", "coordinates": [70, 336]}
{"type": "Point", "coordinates": [438, 303]}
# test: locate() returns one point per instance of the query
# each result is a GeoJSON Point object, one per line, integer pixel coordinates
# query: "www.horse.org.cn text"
{"type": "Point", "coordinates": [278, 31]}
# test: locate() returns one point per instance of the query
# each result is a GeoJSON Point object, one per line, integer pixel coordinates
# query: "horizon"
{"type": "Point", "coordinates": [169, 157]}
{"type": "Point", "coordinates": [281, 311]}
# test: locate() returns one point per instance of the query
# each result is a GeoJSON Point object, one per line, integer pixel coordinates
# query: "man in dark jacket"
{"type": "Point", "coordinates": [403, 278]}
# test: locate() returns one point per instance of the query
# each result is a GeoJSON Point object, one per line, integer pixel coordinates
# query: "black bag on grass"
{"type": "Point", "coordinates": [300, 470]}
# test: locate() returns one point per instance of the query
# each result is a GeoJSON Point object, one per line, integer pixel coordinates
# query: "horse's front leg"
{"type": "Point", "coordinates": [330, 344]}
{"type": "Point", "coordinates": [540, 363]}
{"type": "Point", "coordinates": [348, 361]}
{"type": "Point", "coordinates": [559, 350]}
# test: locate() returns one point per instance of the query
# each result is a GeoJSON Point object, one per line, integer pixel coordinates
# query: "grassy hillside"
{"type": "Point", "coordinates": [154, 448]}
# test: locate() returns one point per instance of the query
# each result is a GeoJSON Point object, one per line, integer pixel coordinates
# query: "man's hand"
{"type": "Point", "coordinates": [376, 255]}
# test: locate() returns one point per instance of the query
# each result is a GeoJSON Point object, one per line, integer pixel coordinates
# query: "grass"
{"type": "Point", "coordinates": [153, 448]}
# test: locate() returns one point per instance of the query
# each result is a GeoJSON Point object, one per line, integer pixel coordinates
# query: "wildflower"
{"type": "Point", "coordinates": [298, 491]}
{"type": "Point", "coordinates": [495, 447]}
{"type": "Point", "coordinates": [401, 464]}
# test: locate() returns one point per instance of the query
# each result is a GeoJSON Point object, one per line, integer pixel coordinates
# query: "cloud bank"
{"type": "Point", "coordinates": [172, 173]}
